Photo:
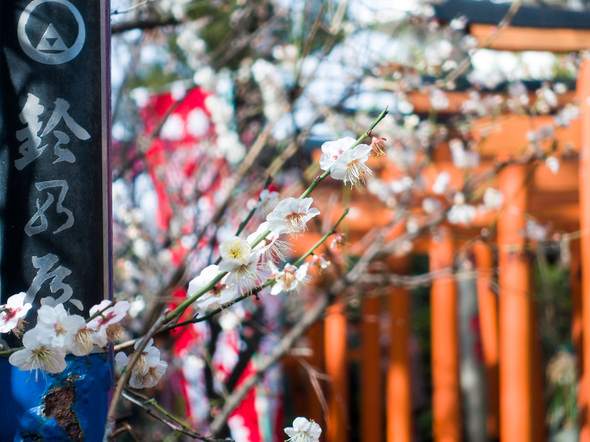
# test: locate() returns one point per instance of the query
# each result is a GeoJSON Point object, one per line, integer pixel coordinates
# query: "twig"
{"type": "Point", "coordinates": [151, 407]}
{"type": "Point", "coordinates": [110, 423]}
{"type": "Point", "coordinates": [279, 351]}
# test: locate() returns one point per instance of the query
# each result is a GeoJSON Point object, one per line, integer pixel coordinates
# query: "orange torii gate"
{"type": "Point", "coordinates": [509, 338]}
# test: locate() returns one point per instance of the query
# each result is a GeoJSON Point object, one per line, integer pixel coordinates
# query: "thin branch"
{"type": "Point", "coordinates": [278, 352]}
{"type": "Point", "coordinates": [155, 410]}
{"type": "Point", "coordinates": [110, 422]}
{"type": "Point", "coordinates": [143, 24]}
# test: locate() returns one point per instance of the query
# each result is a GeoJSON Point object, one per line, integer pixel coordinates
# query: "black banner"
{"type": "Point", "coordinates": [54, 171]}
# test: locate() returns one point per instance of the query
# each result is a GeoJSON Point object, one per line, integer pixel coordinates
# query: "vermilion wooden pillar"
{"type": "Point", "coordinates": [372, 384]}
{"type": "Point", "coordinates": [577, 339]}
{"type": "Point", "coordinates": [399, 391]}
{"type": "Point", "coordinates": [337, 370]}
{"type": "Point", "coordinates": [515, 307]}
{"type": "Point", "coordinates": [576, 288]}
{"type": "Point", "coordinates": [583, 91]}
{"type": "Point", "coordinates": [446, 403]}
{"type": "Point", "coordinates": [488, 322]}
{"type": "Point", "coordinates": [316, 360]}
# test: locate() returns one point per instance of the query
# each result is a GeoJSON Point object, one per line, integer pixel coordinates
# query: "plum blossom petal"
{"type": "Point", "coordinates": [235, 250]}
{"type": "Point", "coordinates": [290, 279]}
{"type": "Point", "coordinates": [14, 310]}
{"type": "Point", "coordinates": [266, 203]}
{"type": "Point", "coordinates": [333, 149]}
{"type": "Point", "coordinates": [304, 431]}
{"type": "Point", "coordinates": [148, 369]}
{"type": "Point", "coordinates": [37, 355]}
{"type": "Point", "coordinates": [291, 216]}
{"type": "Point", "coordinates": [350, 166]}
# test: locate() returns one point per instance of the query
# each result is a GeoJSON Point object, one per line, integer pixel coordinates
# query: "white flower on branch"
{"type": "Point", "coordinates": [350, 166]}
{"type": "Point", "coordinates": [148, 369]}
{"type": "Point", "coordinates": [272, 248]}
{"type": "Point", "coordinates": [291, 216]}
{"type": "Point", "coordinates": [267, 202]}
{"type": "Point", "coordinates": [246, 276]}
{"type": "Point", "coordinates": [106, 324]}
{"type": "Point", "coordinates": [82, 338]}
{"type": "Point", "coordinates": [304, 431]}
{"type": "Point", "coordinates": [38, 355]}
{"type": "Point", "coordinates": [218, 295]}
{"type": "Point", "coordinates": [15, 309]}
{"type": "Point", "coordinates": [461, 213]}
{"type": "Point", "coordinates": [553, 164]}
{"type": "Point", "coordinates": [438, 99]}
{"type": "Point", "coordinates": [55, 326]}
{"type": "Point", "coordinates": [440, 184]}
{"type": "Point", "coordinates": [290, 279]}
{"type": "Point", "coordinates": [235, 250]}
{"type": "Point", "coordinates": [243, 265]}
{"type": "Point", "coordinates": [492, 199]}
{"type": "Point", "coordinates": [333, 149]}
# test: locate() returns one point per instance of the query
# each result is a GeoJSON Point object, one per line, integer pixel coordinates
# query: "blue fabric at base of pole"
{"type": "Point", "coordinates": [71, 405]}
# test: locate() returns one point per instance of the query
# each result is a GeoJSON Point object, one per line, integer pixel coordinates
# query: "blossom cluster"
{"type": "Point", "coordinates": [57, 332]}
{"type": "Point", "coordinates": [148, 369]}
{"type": "Point", "coordinates": [304, 430]}
{"type": "Point", "coordinates": [246, 264]}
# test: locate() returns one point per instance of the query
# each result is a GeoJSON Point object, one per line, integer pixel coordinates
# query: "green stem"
{"type": "Point", "coordinates": [358, 141]}
{"type": "Point", "coordinates": [182, 307]}
{"type": "Point", "coordinates": [258, 289]}
{"type": "Point", "coordinates": [321, 241]}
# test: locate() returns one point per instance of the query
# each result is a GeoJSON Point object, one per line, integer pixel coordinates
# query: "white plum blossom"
{"type": "Point", "coordinates": [440, 184]}
{"type": "Point", "coordinates": [235, 250]}
{"type": "Point", "coordinates": [320, 261]}
{"type": "Point", "coordinates": [106, 324]}
{"type": "Point", "coordinates": [492, 199]}
{"type": "Point", "coordinates": [15, 309]}
{"type": "Point", "coordinates": [304, 431]}
{"type": "Point", "coordinates": [247, 275]}
{"type": "Point", "coordinates": [461, 213]}
{"type": "Point", "coordinates": [431, 205]}
{"type": "Point", "coordinates": [438, 99]}
{"type": "Point", "coordinates": [267, 202]}
{"type": "Point", "coordinates": [463, 158]}
{"type": "Point", "coordinates": [378, 146]}
{"type": "Point", "coordinates": [38, 355]}
{"type": "Point", "coordinates": [333, 149]}
{"type": "Point", "coordinates": [535, 231]}
{"type": "Point", "coordinates": [350, 166]}
{"type": "Point", "coordinates": [148, 369]}
{"type": "Point", "coordinates": [290, 279]}
{"type": "Point", "coordinates": [291, 215]}
{"type": "Point", "coordinates": [553, 164]}
{"type": "Point", "coordinates": [272, 248]}
{"type": "Point", "coordinates": [243, 265]}
{"type": "Point", "coordinates": [81, 340]}
{"type": "Point", "coordinates": [218, 295]}
{"type": "Point", "coordinates": [55, 325]}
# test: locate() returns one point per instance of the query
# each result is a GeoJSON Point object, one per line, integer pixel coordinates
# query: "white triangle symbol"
{"type": "Point", "coordinates": [51, 41]}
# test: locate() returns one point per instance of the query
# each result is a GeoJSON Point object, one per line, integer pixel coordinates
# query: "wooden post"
{"type": "Point", "coordinates": [371, 381]}
{"type": "Point", "coordinates": [55, 223]}
{"type": "Point", "coordinates": [515, 307]}
{"type": "Point", "coordinates": [399, 391]}
{"type": "Point", "coordinates": [583, 89]}
{"type": "Point", "coordinates": [337, 370]}
{"type": "Point", "coordinates": [446, 402]}
{"type": "Point", "coordinates": [577, 330]}
{"type": "Point", "coordinates": [488, 323]}
{"type": "Point", "coordinates": [316, 360]}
